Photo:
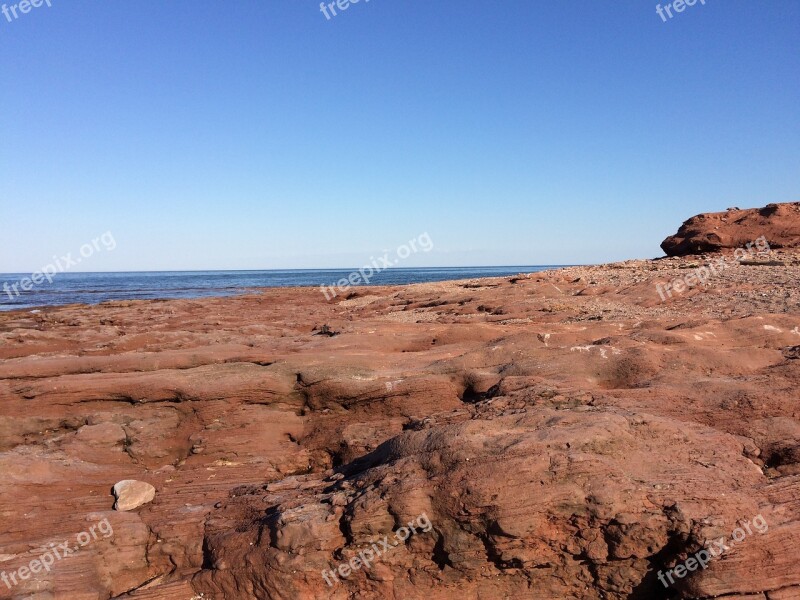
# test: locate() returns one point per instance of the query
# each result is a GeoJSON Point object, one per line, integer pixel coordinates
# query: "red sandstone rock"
{"type": "Point", "coordinates": [569, 434]}
{"type": "Point", "coordinates": [779, 224]}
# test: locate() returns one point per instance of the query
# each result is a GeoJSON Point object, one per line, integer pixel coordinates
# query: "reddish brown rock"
{"type": "Point", "coordinates": [567, 434]}
{"type": "Point", "coordinates": [778, 224]}
{"type": "Point", "coordinates": [579, 503]}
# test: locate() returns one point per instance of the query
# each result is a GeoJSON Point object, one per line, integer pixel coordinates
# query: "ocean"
{"type": "Point", "coordinates": [93, 288]}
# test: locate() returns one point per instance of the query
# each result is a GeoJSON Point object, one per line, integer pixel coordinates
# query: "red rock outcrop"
{"type": "Point", "coordinates": [566, 434]}
{"type": "Point", "coordinates": [779, 224]}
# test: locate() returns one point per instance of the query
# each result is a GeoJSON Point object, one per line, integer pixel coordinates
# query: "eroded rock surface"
{"type": "Point", "coordinates": [568, 434]}
{"type": "Point", "coordinates": [779, 224]}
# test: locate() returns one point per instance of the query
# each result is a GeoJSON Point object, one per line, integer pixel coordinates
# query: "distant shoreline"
{"type": "Point", "coordinates": [95, 288]}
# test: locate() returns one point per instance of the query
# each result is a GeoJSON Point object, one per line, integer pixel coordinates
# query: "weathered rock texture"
{"type": "Point", "coordinates": [567, 433]}
{"type": "Point", "coordinates": [736, 228]}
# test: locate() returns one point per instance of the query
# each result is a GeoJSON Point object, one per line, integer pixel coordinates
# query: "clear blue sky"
{"type": "Point", "coordinates": [243, 134]}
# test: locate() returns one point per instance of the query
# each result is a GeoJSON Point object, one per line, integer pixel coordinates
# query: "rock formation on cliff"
{"type": "Point", "coordinates": [779, 224]}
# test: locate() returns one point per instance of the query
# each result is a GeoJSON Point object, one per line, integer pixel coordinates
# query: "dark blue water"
{"type": "Point", "coordinates": [92, 288]}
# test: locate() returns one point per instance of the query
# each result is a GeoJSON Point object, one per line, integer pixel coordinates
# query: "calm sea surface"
{"type": "Point", "coordinates": [92, 288]}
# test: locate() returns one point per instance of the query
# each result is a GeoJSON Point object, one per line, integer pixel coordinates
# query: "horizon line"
{"type": "Point", "coordinates": [26, 273]}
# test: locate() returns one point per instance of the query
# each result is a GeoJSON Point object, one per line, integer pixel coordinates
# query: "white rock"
{"type": "Point", "coordinates": [132, 494]}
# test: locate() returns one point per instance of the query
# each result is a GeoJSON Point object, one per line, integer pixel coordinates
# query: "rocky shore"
{"type": "Point", "coordinates": [570, 434]}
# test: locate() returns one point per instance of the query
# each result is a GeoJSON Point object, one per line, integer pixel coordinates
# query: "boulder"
{"type": "Point", "coordinates": [779, 224]}
{"type": "Point", "coordinates": [132, 494]}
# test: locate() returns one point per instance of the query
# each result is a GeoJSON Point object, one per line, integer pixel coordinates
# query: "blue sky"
{"type": "Point", "coordinates": [246, 135]}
